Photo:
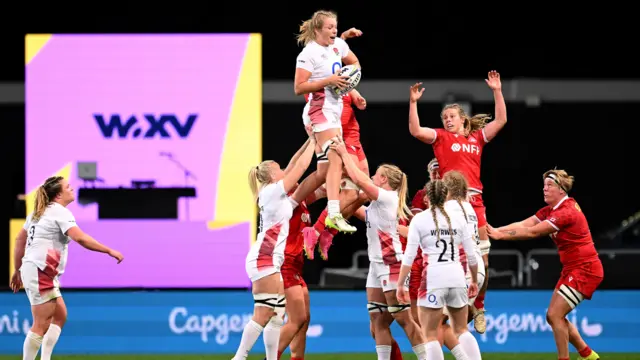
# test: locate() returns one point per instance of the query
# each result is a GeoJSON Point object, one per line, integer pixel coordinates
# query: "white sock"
{"type": "Point", "coordinates": [458, 353]}
{"type": "Point", "coordinates": [333, 208]}
{"type": "Point", "coordinates": [49, 341]}
{"type": "Point", "coordinates": [384, 352]}
{"type": "Point", "coordinates": [434, 351]}
{"type": "Point", "coordinates": [31, 346]}
{"type": "Point", "coordinates": [420, 351]}
{"type": "Point", "coordinates": [470, 346]}
{"type": "Point", "coordinates": [271, 337]}
{"type": "Point", "coordinates": [250, 335]}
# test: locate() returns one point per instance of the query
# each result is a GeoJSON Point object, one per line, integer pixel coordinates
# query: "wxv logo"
{"type": "Point", "coordinates": [134, 126]}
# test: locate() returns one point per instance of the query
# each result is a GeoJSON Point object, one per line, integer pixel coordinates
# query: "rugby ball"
{"type": "Point", "coordinates": [354, 73]}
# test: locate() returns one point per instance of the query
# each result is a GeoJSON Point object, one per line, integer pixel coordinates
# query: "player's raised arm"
{"type": "Point", "coordinates": [88, 242]}
{"type": "Point", "coordinates": [361, 179]}
{"type": "Point", "coordinates": [528, 222]}
{"type": "Point", "coordinates": [523, 233]}
{"type": "Point", "coordinates": [296, 156]}
{"type": "Point", "coordinates": [493, 128]}
{"type": "Point", "coordinates": [424, 134]}
{"type": "Point", "coordinates": [302, 163]}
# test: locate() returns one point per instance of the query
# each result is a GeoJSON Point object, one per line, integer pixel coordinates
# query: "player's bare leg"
{"type": "Point", "coordinates": [55, 329]}
{"type": "Point", "coordinates": [380, 322]}
{"type": "Point", "coordinates": [267, 293]}
{"type": "Point", "coordinates": [297, 318]}
{"type": "Point", "coordinates": [404, 318]}
{"type": "Point", "coordinates": [564, 332]}
{"type": "Point", "coordinates": [479, 322]}
{"type": "Point", "coordinates": [42, 316]}
{"type": "Point", "coordinates": [464, 345]}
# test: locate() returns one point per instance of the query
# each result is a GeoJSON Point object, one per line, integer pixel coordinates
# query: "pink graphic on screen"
{"type": "Point", "coordinates": [173, 95]}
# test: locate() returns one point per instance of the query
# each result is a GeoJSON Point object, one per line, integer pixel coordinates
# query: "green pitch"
{"type": "Point", "coordinates": [317, 357]}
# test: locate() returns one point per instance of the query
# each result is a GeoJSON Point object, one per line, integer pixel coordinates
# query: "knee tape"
{"type": "Point", "coordinates": [484, 246]}
{"type": "Point", "coordinates": [324, 150]}
{"type": "Point", "coordinates": [347, 184]}
{"type": "Point", "coordinates": [278, 318]}
{"type": "Point", "coordinates": [373, 307]}
{"type": "Point", "coordinates": [399, 308]}
{"type": "Point", "coordinates": [266, 300]}
{"type": "Point", "coordinates": [572, 296]}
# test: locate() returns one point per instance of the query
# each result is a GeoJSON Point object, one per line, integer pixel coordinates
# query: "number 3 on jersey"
{"type": "Point", "coordinates": [32, 232]}
{"type": "Point", "coordinates": [444, 250]}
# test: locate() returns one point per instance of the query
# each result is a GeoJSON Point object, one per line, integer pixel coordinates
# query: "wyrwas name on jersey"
{"type": "Point", "coordinates": [444, 232]}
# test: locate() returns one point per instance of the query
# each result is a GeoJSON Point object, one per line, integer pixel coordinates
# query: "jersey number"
{"type": "Point", "coordinates": [32, 232]}
{"type": "Point", "coordinates": [444, 250]}
{"type": "Point", "coordinates": [261, 223]}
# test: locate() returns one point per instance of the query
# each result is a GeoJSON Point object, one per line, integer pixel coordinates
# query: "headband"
{"type": "Point", "coordinates": [553, 177]}
{"type": "Point", "coordinates": [434, 165]}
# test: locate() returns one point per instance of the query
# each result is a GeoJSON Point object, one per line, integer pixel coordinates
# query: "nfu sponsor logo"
{"type": "Point", "coordinates": [468, 148]}
{"type": "Point", "coordinates": [500, 325]}
{"type": "Point", "coordinates": [145, 126]}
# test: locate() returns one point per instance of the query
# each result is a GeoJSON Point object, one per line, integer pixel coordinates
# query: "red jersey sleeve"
{"type": "Point", "coordinates": [418, 201]}
{"type": "Point", "coordinates": [440, 134]}
{"type": "Point", "coordinates": [564, 217]}
{"type": "Point", "coordinates": [543, 213]}
{"type": "Point", "coordinates": [480, 137]}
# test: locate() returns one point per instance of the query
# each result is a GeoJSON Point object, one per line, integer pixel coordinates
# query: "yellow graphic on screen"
{"type": "Point", "coordinates": [33, 43]}
{"type": "Point", "coordinates": [242, 145]}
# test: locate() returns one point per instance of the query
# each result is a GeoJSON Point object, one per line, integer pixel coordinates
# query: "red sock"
{"type": "Point", "coordinates": [585, 352]}
{"type": "Point", "coordinates": [319, 225]}
{"type": "Point", "coordinates": [279, 354]}
{"type": "Point", "coordinates": [396, 354]}
{"type": "Point", "coordinates": [564, 359]}
{"type": "Point", "coordinates": [479, 302]}
{"type": "Point", "coordinates": [297, 358]}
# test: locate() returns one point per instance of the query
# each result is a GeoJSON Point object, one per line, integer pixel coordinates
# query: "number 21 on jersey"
{"type": "Point", "coordinates": [442, 257]}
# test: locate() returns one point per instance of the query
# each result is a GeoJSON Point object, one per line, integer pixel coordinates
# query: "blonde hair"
{"type": "Point", "coordinates": [309, 27]}
{"type": "Point", "coordinates": [398, 181]}
{"type": "Point", "coordinates": [471, 124]}
{"type": "Point", "coordinates": [457, 187]}
{"type": "Point", "coordinates": [561, 178]}
{"type": "Point", "coordinates": [437, 194]}
{"type": "Point", "coordinates": [45, 195]}
{"type": "Point", "coordinates": [259, 176]}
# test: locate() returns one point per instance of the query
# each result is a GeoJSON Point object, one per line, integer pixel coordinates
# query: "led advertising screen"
{"type": "Point", "coordinates": [179, 113]}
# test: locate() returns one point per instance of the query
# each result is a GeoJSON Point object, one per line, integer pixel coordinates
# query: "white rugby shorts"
{"type": "Point", "coordinates": [322, 118]}
{"type": "Point", "coordinates": [259, 268]}
{"type": "Point", "coordinates": [439, 298]}
{"type": "Point", "coordinates": [40, 287]}
{"type": "Point", "coordinates": [384, 277]}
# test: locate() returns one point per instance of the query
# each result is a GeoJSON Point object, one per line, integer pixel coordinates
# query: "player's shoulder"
{"type": "Point", "coordinates": [570, 205]}
{"type": "Point", "coordinates": [339, 42]}
{"type": "Point", "coordinates": [422, 217]}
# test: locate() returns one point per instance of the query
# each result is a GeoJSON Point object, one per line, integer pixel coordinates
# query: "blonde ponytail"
{"type": "Point", "coordinates": [403, 210]}
{"type": "Point", "coordinates": [259, 176]}
{"type": "Point", "coordinates": [306, 35]}
{"type": "Point", "coordinates": [46, 193]}
{"type": "Point", "coordinates": [41, 202]}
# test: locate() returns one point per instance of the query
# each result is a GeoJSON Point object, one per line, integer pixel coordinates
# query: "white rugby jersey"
{"type": "Point", "coordinates": [322, 62]}
{"type": "Point", "coordinates": [47, 242]}
{"type": "Point", "coordinates": [441, 257]}
{"type": "Point", "coordinates": [275, 212]}
{"type": "Point", "coordinates": [384, 244]}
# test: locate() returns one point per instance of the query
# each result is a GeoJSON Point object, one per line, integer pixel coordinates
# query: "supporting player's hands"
{"type": "Point", "coordinates": [402, 295]}
{"type": "Point", "coordinates": [493, 80]}
{"type": "Point", "coordinates": [473, 289]}
{"type": "Point", "coordinates": [16, 281]}
{"type": "Point", "coordinates": [351, 33]}
{"type": "Point", "coordinates": [415, 92]}
{"type": "Point", "coordinates": [310, 133]}
{"type": "Point", "coordinates": [338, 146]}
{"type": "Point", "coordinates": [116, 255]}
{"type": "Point", "coordinates": [494, 234]}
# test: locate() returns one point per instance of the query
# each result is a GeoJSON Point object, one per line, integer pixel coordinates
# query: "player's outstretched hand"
{"type": "Point", "coordinates": [415, 92]}
{"type": "Point", "coordinates": [351, 33]}
{"type": "Point", "coordinates": [493, 80]}
{"type": "Point", "coordinates": [116, 255]}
